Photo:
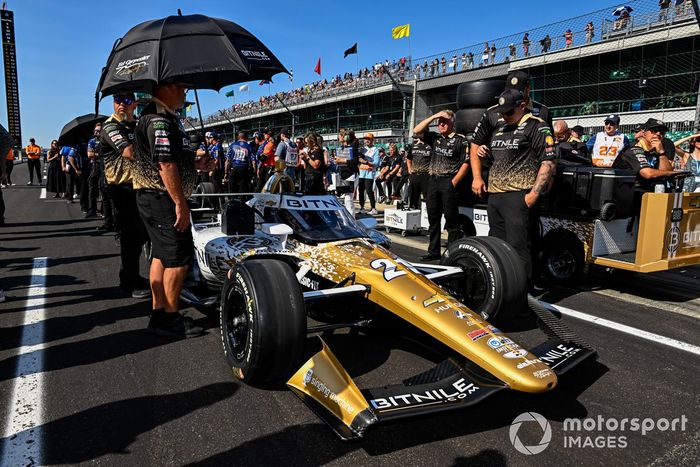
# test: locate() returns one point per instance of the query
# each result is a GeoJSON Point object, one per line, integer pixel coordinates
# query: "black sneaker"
{"type": "Point", "coordinates": [173, 326]}
{"type": "Point", "coordinates": [430, 257]}
{"type": "Point", "coordinates": [136, 291]}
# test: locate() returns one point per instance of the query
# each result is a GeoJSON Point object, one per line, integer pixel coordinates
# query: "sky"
{"type": "Point", "coordinates": [63, 44]}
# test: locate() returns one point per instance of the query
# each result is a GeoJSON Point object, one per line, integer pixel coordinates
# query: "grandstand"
{"type": "Point", "coordinates": [645, 65]}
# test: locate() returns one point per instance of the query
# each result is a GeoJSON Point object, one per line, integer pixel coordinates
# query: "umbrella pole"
{"type": "Point", "coordinates": [201, 120]}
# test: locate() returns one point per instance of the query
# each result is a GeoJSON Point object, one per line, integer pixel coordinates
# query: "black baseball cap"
{"type": "Point", "coordinates": [655, 124]}
{"type": "Point", "coordinates": [638, 127]}
{"type": "Point", "coordinates": [517, 80]}
{"type": "Point", "coordinates": [508, 100]}
{"type": "Point", "coordinates": [613, 118]}
{"type": "Point", "coordinates": [578, 129]}
{"type": "Point", "coordinates": [267, 131]}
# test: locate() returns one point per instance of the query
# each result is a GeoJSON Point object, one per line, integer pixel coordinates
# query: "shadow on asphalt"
{"type": "Point", "coordinates": [37, 223]}
{"type": "Point", "coordinates": [111, 428]}
{"type": "Point", "coordinates": [17, 264]}
{"type": "Point", "coordinates": [62, 327]}
{"type": "Point", "coordinates": [77, 232]}
{"type": "Point", "coordinates": [14, 250]}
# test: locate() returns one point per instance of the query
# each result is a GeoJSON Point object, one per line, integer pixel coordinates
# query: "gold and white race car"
{"type": "Point", "coordinates": [281, 258]}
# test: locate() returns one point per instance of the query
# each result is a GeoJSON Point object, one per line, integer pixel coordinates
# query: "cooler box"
{"type": "Point", "coordinates": [593, 192]}
{"type": "Point", "coordinates": [402, 220]}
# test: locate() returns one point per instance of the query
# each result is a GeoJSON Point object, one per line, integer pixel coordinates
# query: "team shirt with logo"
{"type": "Point", "coordinates": [420, 153]}
{"type": "Point", "coordinates": [160, 137]}
{"type": "Point", "coordinates": [287, 151]}
{"type": "Point", "coordinates": [115, 136]}
{"type": "Point", "coordinates": [491, 119]}
{"type": "Point", "coordinates": [239, 154]}
{"type": "Point", "coordinates": [605, 148]}
{"type": "Point", "coordinates": [449, 153]}
{"type": "Point", "coordinates": [518, 150]}
{"type": "Point", "coordinates": [635, 158]}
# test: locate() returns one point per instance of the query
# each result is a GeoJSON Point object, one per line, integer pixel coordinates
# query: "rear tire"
{"type": "Point", "coordinates": [466, 120]}
{"type": "Point", "coordinates": [263, 321]}
{"type": "Point", "coordinates": [206, 188]}
{"type": "Point", "coordinates": [495, 285]}
{"type": "Point", "coordinates": [479, 93]}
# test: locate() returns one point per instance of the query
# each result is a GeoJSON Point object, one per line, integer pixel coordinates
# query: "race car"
{"type": "Point", "coordinates": [283, 257]}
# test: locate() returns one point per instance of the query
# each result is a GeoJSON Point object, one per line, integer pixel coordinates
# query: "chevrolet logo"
{"type": "Point", "coordinates": [432, 301]}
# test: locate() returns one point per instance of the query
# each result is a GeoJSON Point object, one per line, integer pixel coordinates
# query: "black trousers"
{"type": "Point", "coordinates": [419, 188]}
{"type": "Point", "coordinates": [239, 180]}
{"type": "Point", "coordinates": [366, 185]}
{"type": "Point", "coordinates": [34, 165]}
{"type": "Point", "coordinates": [511, 220]}
{"type": "Point", "coordinates": [93, 186]}
{"type": "Point", "coordinates": [9, 165]}
{"type": "Point", "coordinates": [133, 234]}
{"type": "Point", "coordinates": [443, 199]}
{"type": "Point", "coordinates": [83, 188]}
{"type": "Point", "coordinates": [2, 209]}
{"type": "Point", "coordinates": [73, 186]}
{"type": "Point", "coordinates": [398, 184]}
{"type": "Point", "coordinates": [265, 172]}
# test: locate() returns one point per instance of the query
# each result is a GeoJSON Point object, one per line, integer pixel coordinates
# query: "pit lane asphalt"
{"type": "Point", "coordinates": [114, 395]}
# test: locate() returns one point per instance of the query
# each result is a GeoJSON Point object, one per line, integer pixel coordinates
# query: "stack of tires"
{"type": "Point", "coordinates": [473, 98]}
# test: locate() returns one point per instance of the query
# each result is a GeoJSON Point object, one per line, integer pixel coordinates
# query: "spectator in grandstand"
{"type": "Point", "coordinates": [524, 164]}
{"type": "Point", "coordinates": [464, 61]}
{"type": "Point", "coordinates": [493, 53]}
{"type": "Point", "coordinates": [526, 44]}
{"type": "Point", "coordinates": [590, 32]}
{"type": "Point", "coordinates": [577, 133]}
{"type": "Point", "coordinates": [689, 161]}
{"type": "Point", "coordinates": [546, 43]}
{"type": "Point", "coordinates": [637, 157]}
{"type": "Point", "coordinates": [315, 169]}
{"type": "Point", "coordinates": [266, 158]}
{"type": "Point", "coordinates": [449, 165]}
{"type": "Point", "coordinates": [288, 152]}
{"type": "Point", "coordinates": [663, 10]}
{"type": "Point", "coordinates": [470, 60]}
{"type": "Point", "coordinates": [568, 38]}
{"type": "Point", "coordinates": [607, 144]}
{"type": "Point", "coordinates": [238, 164]}
{"type": "Point", "coordinates": [621, 22]}
{"type": "Point", "coordinates": [443, 62]}
{"type": "Point", "coordinates": [369, 160]}
{"type": "Point", "coordinates": [453, 63]}
{"type": "Point", "coordinates": [425, 69]}
{"type": "Point", "coordinates": [485, 54]}
{"type": "Point", "coordinates": [418, 162]}
{"type": "Point", "coordinates": [512, 51]}
{"type": "Point", "coordinates": [682, 8]}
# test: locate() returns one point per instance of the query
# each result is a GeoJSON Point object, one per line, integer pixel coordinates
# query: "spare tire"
{"type": "Point", "coordinates": [263, 321]}
{"type": "Point", "coordinates": [495, 280]}
{"type": "Point", "coordinates": [206, 188]}
{"type": "Point", "coordinates": [466, 120]}
{"type": "Point", "coordinates": [479, 93]}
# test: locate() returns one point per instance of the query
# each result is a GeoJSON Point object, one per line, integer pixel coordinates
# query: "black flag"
{"type": "Point", "coordinates": [350, 51]}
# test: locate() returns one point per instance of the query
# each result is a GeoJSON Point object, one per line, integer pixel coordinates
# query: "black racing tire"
{"type": "Point", "coordinates": [263, 321]}
{"type": "Point", "coordinates": [206, 188]}
{"type": "Point", "coordinates": [495, 284]}
{"type": "Point", "coordinates": [479, 93]}
{"type": "Point", "coordinates": [562, 259]}
{"type": "Point", "coordinates": [466, 120]}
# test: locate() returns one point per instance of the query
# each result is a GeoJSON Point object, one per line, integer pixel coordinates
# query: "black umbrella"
{"type": "Point", "coordinates": [195, 50]}
{"type": "Point", "coordinates": [79, 128]}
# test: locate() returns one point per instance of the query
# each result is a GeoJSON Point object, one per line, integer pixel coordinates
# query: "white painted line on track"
{"type": "Point", "coordinates": [659, 339]}
{"type": "Point", "coordinates": [23, 432]}
{"type": "Point", "coordinates": [43, 194]}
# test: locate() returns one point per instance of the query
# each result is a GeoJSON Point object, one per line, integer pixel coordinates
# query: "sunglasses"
{"type": "Point", "coordinates": [123, 100]}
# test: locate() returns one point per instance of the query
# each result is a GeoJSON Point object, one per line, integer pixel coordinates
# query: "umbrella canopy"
{"type": "Point", "coordinates": [195, 50]}
{"type": "Point", "coordinates": [79, 128]}
{"type": "Point", "coordinates": [619, 10]}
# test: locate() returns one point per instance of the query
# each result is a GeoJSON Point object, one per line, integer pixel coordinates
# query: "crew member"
{"type": "Point", "coordinates": [637, 157]}
{"type": "Point", "coordinates": [238, 164]}
{"type": "Point", "coordinates": [164, 177]}
{"type": "Point", "coordinates": [93, 178]}
{"type": "Point", "coordinates": [418, 161]}
{"type": "Point", "coordinates": [449, 165]}
{"type": "Point", "coordinates": [287, 151]}
{"type": "Point", "coordinates": [606, 145]}
{"type": "Point", "coordinates": [524, 156]}
{"type": "Point", "coordinates": [315, 168]}
{"type": "Point", "coordinates": [116, 146]}
{"type": "Point", "coordinates": [483, 132]}
{"type": "Point", "coordinates": [33, 161]}
{"type": "Point", "coordinates": [266, 156]}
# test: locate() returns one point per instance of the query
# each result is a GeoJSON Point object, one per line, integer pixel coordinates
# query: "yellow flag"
{"type": "Point", "coordinates": [402, 31]}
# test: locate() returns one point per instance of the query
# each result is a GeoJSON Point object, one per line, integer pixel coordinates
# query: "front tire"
{"type": "Point", "coordinates": [562, 259]}
{"type": "Point", "coordinates": [495, 282]}
{"type": "Point", "coordinates": [263, 321]}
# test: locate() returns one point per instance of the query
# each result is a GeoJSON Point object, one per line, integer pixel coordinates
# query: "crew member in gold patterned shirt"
{"type": "Point", "coordinates": [164, 177]}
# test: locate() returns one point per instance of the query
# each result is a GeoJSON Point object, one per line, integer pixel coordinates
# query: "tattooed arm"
{"type": "Point", "coordinates": [544, 177]}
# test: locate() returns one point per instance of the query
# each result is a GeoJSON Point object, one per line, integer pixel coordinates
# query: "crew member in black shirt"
{"type": "Point", "coordinates": [637, 157]}
{"type": "Point", "coordinates": [524, 156]}
{"type": "Point", "coordinates": [116, 144]}
{"type": "Point", "coordinates": [449, 165]}
{"type": "Point", "coordinates": [517, 80]}
{"type": "Point", "coordinates": [164, 177]}
{"type": "Point", "coordinates": [418, 161]}
{"type": "Point", "coordinates": [315, 167]}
